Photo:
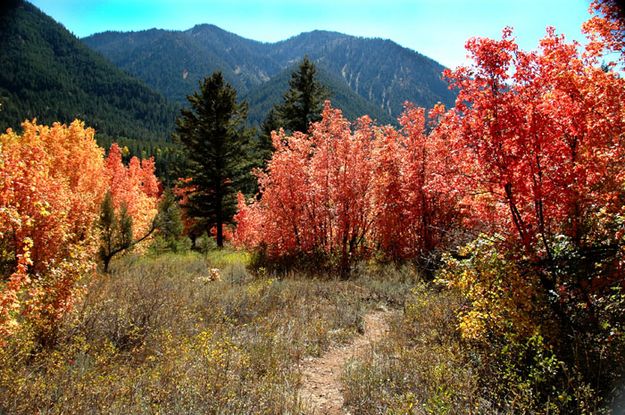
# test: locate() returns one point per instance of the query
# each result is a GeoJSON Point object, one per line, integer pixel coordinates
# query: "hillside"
{"type": "Point", "coordinates": [262, 98]}
{"type": "Point", "coordinates": [48, 74]}
{"type": "Point", "coordinates": [380, 72]}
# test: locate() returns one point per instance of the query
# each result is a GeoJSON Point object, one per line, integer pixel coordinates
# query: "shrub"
{"type": "Point", "coordinates": [420, 367]}
{"type": "Point", "coordinates": [156, 336]}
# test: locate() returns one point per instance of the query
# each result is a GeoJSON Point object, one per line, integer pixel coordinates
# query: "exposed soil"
{"type": "Point", "coordinates": [322, 391]}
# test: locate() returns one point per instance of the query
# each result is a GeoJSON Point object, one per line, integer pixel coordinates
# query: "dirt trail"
{"type": "Point", "coordinates": [322, 391]}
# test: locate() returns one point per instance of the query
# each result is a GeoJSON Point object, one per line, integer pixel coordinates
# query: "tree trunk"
{"type": "Point", "coordinates": [107, 260]}
{"type": "Point", "coordinates": [344, 265]}
{"type": "Point", "coordinates": [220, 234]}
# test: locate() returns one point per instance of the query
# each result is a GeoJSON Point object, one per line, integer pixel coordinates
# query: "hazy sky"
{"type": "Point", "coordinates": [436, 28]}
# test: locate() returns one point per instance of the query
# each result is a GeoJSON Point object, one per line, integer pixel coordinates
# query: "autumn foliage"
{"type": "Point", "coordinates": [542, 136]}
{"type": "Point", "coordinates": [134, 186]}
{"type": "Point", "coordinates": [52, 180]}
{"type": "Point", "coordinates": [522, 183]}
{"type": "Point", "coordinates": [605, 29]}
{"type": "Point", "coordinates": [533, 150]}
{"type": "Point", "coordinates": [347, 191]}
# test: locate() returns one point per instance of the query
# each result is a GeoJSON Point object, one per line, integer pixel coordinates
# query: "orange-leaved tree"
{"type": "Point", "coordinates": [131, 204]}
{"type": "Point", "coordinates": [134, 186]}
{"type": "Point", "coordinates": [51, 184]}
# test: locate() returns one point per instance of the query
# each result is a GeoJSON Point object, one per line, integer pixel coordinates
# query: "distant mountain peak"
{"type": "Point", "coordinates": [379, 71]}
{"type": "Point", "coordinates": [203, 27]}
{"type": "Point", "coordinates": [321, 32]}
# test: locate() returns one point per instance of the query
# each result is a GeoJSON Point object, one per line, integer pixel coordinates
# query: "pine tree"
{"type": "Point", "coordinates": [216, 144]}
{"type": "Point", "coordinates": [301, 105]}
{"type": "Point", "coordinates": [264, 146]}
{"type": "Point", "coordinates": [303, 102]}
{"type": "Point", "coordinates": [168, 222]}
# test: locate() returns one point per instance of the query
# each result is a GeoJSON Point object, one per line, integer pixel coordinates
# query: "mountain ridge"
{"type": "Point", "coordinates": [377, 70]}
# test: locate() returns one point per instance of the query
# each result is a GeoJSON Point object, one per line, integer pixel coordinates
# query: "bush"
{"type": "Point", "coordinates": [536, 350]}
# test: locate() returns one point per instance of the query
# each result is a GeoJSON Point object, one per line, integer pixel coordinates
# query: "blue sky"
{"type": "Point", "coordinates": [438, 29]}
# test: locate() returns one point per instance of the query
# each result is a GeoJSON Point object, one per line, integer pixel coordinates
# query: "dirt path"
{"type": "Point", "coordinates": [322, 391]}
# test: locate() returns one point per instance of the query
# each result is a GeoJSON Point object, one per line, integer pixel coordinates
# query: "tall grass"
{"type": "Point", "coordinates": [156, 336]}
{"type": "Point", "coordinates": [420, 367]}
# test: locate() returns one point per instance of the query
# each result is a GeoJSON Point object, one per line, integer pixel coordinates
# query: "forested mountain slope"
{"type": "Point", "coordinates": [371, 76]}
{"type": "Point", "coordinates": [49, 74]}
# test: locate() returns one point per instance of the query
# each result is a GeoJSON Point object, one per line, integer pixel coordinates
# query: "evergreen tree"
{"type": "Point", "coordinates": [264, 146]}
{"type": "Point", "coordinates": [168, 222]}
{"type": "Point", "coordinates": [301, 105]}
{"type": "Point", "coordinates": [216, 144]}
{"type": "Point", "coordinates": [303, 101]}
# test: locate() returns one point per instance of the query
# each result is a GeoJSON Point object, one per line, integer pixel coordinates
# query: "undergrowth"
{"type": "Point", "coordinates": [420, 367]}
{"type": "Point", "coordinates": [156, 336]}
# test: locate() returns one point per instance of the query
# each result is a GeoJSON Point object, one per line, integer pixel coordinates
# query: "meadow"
{"type": "Point", "coordinates": [157, 336]}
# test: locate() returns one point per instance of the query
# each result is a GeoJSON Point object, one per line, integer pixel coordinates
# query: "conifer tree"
{"type": "Point", "coordinates": [301, 105]}
{"type": "Point", "coordinates": [303, 102]}
{"type": "Point", "coordinates": [216, 145]}
{"type": "Point", "coordinates": [265, 147]}
{"type": "Point", "coordinates": [168, 222]}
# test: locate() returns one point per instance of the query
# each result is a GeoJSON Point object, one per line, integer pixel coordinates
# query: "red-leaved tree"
{"type": "Point", "coordinates": [346, 191]}
{"type": "Point", "coordinates": [544, 128]}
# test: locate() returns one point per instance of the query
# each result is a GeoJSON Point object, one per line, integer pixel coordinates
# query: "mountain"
{"type": "Point", "coordinates": [372, 76]}
{"type": "Point", "coordinates": [379, 70]}
{"type": "Point", "coordinates": [50, 74]}
{"type": "Point", "coordinates": [264, 96]}
{"type": "Point", "coordinates": [174, 62]}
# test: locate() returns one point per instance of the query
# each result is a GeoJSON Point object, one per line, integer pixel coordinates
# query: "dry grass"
{"type": "Point", "coordinates": [420, 367]}
{"type": "Point", "coordinates": [156, 337]}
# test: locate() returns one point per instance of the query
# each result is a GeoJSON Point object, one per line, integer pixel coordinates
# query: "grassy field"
{"type": "Point", "coordinates": [155, 336]}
